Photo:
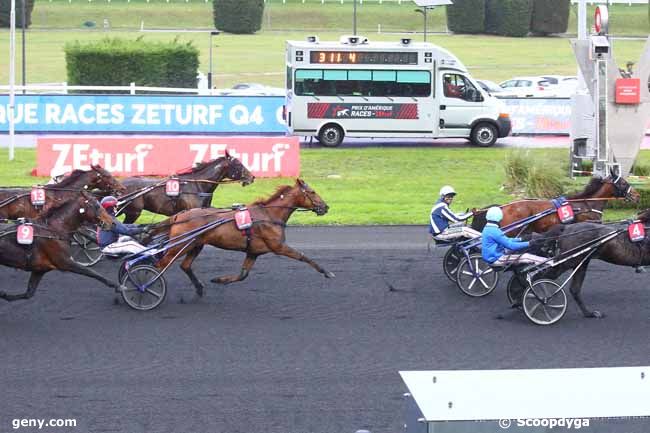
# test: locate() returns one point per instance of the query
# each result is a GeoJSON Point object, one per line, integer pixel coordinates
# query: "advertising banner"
{"type": "Point", "coordinates": [539, 116]}
{"type": "Point", "coordinates": [145, 114]}
{"type": "Point", "coordinates": [162, 156]}
{"type": "Point", "coordinates": [324, 110]}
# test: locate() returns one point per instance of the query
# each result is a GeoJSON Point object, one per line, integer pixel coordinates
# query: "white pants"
{"type": "Point", "coordinates": [521, 259]}
{"type": "Point", "coordinates": [452, 233]}
{"type": "Point", "coordinates": [124, 245]}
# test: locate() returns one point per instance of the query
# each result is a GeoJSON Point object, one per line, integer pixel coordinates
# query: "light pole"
{"type": "Point", "coordinates": [23, 40]}
{"type": "Point", "coordinates": [354, 18]}
{"type": "Point", "coordinates": [212, 33]}
{"type": "Point", "coordinates": [423, 11]}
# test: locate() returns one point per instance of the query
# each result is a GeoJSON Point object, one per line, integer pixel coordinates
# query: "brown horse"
{"type": "Point", "coordinates": [16, 202]}
{"type": "Point", "coordinates": [50, 249]}
{"type": "Point", "coordinates": [266, 235]}
{"type": "Point", "coordinates": [197, 187]}
{"type": "Point", "coordinates": [586, 205]}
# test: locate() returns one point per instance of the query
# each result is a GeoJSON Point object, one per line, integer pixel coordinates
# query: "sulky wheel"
{"type": "Point", "coordinates": [84, 248]}
{"type": "Point", "coordinates": [544, 302]}
{"type": "Point", "coordinates": [139, 293]}
{"type": "Point", "coordinates": [475, 277]}
{"type": "Point", "coordinates": [450, 263]}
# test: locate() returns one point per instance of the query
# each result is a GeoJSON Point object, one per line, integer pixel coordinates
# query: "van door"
{"type": "Point", "coordinates": [460, 103]}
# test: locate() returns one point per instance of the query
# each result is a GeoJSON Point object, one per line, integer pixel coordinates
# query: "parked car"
{"type": "Point", "coordinates": [490, 87]}
{"type": "Point", "coordinates": [525, 87]}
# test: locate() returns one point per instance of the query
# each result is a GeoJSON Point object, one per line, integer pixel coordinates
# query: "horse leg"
{"type": "Point", "coordinates": [70, 266]}
{"type": "Point", "coordinates": [186, 266]}
{"type": "Point", "coordinates": [282, 249]}
{"type": "Point", "coordinates": [576, 291]}
{"type": "Point", "coordinates": [131, 215]}
{"type": "Point", "coordinates": [245, 269]}
{"type": "Point", "coordinates": [34, 279]}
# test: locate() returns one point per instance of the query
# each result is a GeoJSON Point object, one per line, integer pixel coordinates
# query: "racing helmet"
{"type": "Point", "coordinates": [108, 202]}
{"type": "Point", "coordinates": [494, 214]}
{"type": "Point", "coordinates": [447, 190]}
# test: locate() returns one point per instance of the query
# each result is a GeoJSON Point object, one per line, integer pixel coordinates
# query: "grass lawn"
{"type": "Point", "coordinates": [260, 57]}
{"type": "Point", "coordinates": [369, 186]}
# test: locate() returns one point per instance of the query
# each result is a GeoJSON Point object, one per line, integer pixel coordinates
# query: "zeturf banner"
{"type": "Point", "coordinates": [134, 156]}
{"type": "Point", "coordinates": [539, 116]}
{"type": "Point", "coordinates": [145, 114]}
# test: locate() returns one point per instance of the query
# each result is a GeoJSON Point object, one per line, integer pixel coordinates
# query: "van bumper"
{"type": "Point", "coordinates": [504, 125]}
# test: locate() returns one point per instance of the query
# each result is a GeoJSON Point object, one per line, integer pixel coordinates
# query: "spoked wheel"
{"type": "Point", "coordinates": [544, 302]}
{"type": "Point", "coordinates": [475, 277]}
{"type": "Point", "coordinates": [515, 290]}
{"type": "Point", "coordinates": [122, 271]}
{"type": "Point", "coordinates": [450, 263]}
{"type": "Point", "coordinates": [140, 293]}
{"type": "Point", "coordinates": [84, 248]}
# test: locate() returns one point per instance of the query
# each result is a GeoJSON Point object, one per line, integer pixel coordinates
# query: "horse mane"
{"type": "Point", "coordinates": [53, 210]}
{"type": "Point", "coordinates": [199, 166]}
{"type": "Point", "coordinates": [594, 185]}
{"type": "Point", "coordinates": [282, 189]}
{"type": "Point", "coordinates": [69, 179]}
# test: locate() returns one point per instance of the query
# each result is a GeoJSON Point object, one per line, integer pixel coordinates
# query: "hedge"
{"type": "Point", "coordinates": [5, 9]}
{"type": "Point", "coordinates": [238, 16]}
{"type": "Point", "coordinates": [466, 16]}
{"type": "Point", "coordinates": [119, 62]}
{"type": "Point", "coordinates": [508, 17]}
{"type": "Point", "coordinates": [550, 16]}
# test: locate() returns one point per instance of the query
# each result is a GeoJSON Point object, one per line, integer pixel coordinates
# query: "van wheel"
{"type": "Point", "coordinates": [331, 136]}
{"type": "Point", "coordinates": [484, 135]}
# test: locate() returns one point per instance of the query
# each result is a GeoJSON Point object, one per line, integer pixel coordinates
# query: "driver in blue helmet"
{"type": "Point", "coordinates": [445, 225]}
{"type": "Point", "coordinates": [494, 243]}
{"type": "Point", "coordinates": [117, 240]}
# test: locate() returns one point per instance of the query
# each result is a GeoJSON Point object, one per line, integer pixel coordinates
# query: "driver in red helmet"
{"type": "Point", "coordinates": [117, 240]}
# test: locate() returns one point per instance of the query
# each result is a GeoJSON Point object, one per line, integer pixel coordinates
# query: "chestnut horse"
{"type": "Point", "coordinates": [586, 205]}
{"type": "Point", "coordinates": [197, 187]}
{"type": "Point", "coordinates": [269, 217]}
{"type": "Point", "coordinates": [16, 202]}
{"type": "Point", "coordinates": [50, 249]}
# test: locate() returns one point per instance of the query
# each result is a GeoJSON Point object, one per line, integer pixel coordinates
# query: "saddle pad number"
{"type": "Point", "coordinates": [37, 196]}
{"type": "Point", "coordinates": [636, 232]}
{"type": "Point", "coordinates": [25, 234]}
{"type": "Point", "coordinates": [173, 188]}
{"type": "Point", "coordinates": [243, 219]}
{"type": "Point", "coordinates": [565, 213]}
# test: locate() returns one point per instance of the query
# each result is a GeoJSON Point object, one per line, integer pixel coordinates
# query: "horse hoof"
{"type": "Point", "coordinates": [329, 274]}
{"type": "Point", "coordinates": [596, 315]}
{"type": "Point", "coordinates": [218, 281]}
{"type": "Point", "coordinates": [116, 301]}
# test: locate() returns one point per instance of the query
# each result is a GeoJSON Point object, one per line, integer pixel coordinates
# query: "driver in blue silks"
{"type": "Point", "coordinates": [117, 240]}
{"type": "Point", "coordinates": [445, 225]}
{"type": "Point", "coordinates": [494, 243]}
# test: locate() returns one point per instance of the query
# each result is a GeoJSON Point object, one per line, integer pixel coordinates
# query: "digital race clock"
{"type": "Point", "coordinates": [364, 57]}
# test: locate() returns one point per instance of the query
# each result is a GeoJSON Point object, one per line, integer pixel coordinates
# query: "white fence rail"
{"type": "Point", "coordinates": [63, 88]}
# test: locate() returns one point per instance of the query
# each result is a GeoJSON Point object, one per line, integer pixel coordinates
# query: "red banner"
{"type": "Point", "coordinates": [134, 156]}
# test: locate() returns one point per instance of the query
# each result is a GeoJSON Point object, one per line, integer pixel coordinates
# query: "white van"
{"type": "Point", "coordinates": [356, 88]}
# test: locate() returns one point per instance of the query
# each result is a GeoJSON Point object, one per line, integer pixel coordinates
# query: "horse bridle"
{"type": "Point", "coordinates": [316, 208]}
{"type": "Point", "coordinates": [620, 191]}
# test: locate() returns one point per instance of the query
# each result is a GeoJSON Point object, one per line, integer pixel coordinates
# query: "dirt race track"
{"type": "Point", "coordinates": [288, 351]}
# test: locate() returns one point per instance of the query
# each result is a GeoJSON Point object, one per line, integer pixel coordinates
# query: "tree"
{"type": "Point", "coordinates": [466, 16]}
{"type": "Point", "coordinates": [508, 17]}
{"type": "Point", "coordinates": [550, 16]}
{"type": "Point", "coordinates": [238, 16]}
{"type": "Point", "coordinates": [5, 10]}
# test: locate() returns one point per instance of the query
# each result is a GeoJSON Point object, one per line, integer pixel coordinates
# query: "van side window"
{"type": "Point", "coordinates": [458, 86]}
{"type": "Point", "coordinates": [362, 83]}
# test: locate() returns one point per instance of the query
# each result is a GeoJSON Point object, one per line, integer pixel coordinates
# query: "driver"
{"type": "Point", "coordinates": [444, 225]}
{"type": "Point", "coordinates": [117, 240]}
{"type": "Point", "coordinates": [495, 242]}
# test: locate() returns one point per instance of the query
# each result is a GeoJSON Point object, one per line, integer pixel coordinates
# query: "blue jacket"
{"type": "Point", "coordinates": [441, 216]}
{"type": "Point", "coordinates": [107, 237]}
{"type": "Point", "coordinates": [494, 243]}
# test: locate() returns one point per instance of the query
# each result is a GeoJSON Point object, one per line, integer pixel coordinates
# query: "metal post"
{"type": "Point", "coordinates": [12, 78]}
{"type": "Point", "coordinates": [354, 18]}
{"type": "Point", "coordinates": [210, 71]}
{"type": "Point", "coordinates": [23, 41]}
{"type": "Point", "coordinates": [425, 23]}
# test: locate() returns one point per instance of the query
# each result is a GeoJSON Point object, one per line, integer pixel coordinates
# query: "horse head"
{"type": "Point", "coordinates": [621, 187]}
{"type": "Point", "coordinates": [92, 212]}
{"type": "Point", "coordinates": [235, 170]}
{"type": "Point", "coordinates": [307, 198]}
{"type": "Point", "coordinates": [102, 179]}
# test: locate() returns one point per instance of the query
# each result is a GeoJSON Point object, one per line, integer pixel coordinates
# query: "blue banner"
{"type": "Point", "coordinates": [145, 114]}
{"type": "Point", "coordinates": [539, 115]}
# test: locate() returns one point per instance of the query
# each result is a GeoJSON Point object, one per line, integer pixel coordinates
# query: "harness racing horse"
{"type": "Point", "coordinates": [50, 248]}
{"type": "Point", "coordinates": [196, 188]}
{"type": "Point", "coordinates": [618, 251]}
{"type": "Point", "coordinates": [586, 205]}
{"type": "Point", "coordinates": [269, 217]}
{"type": "Point", "coordinates": [16, 202]}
